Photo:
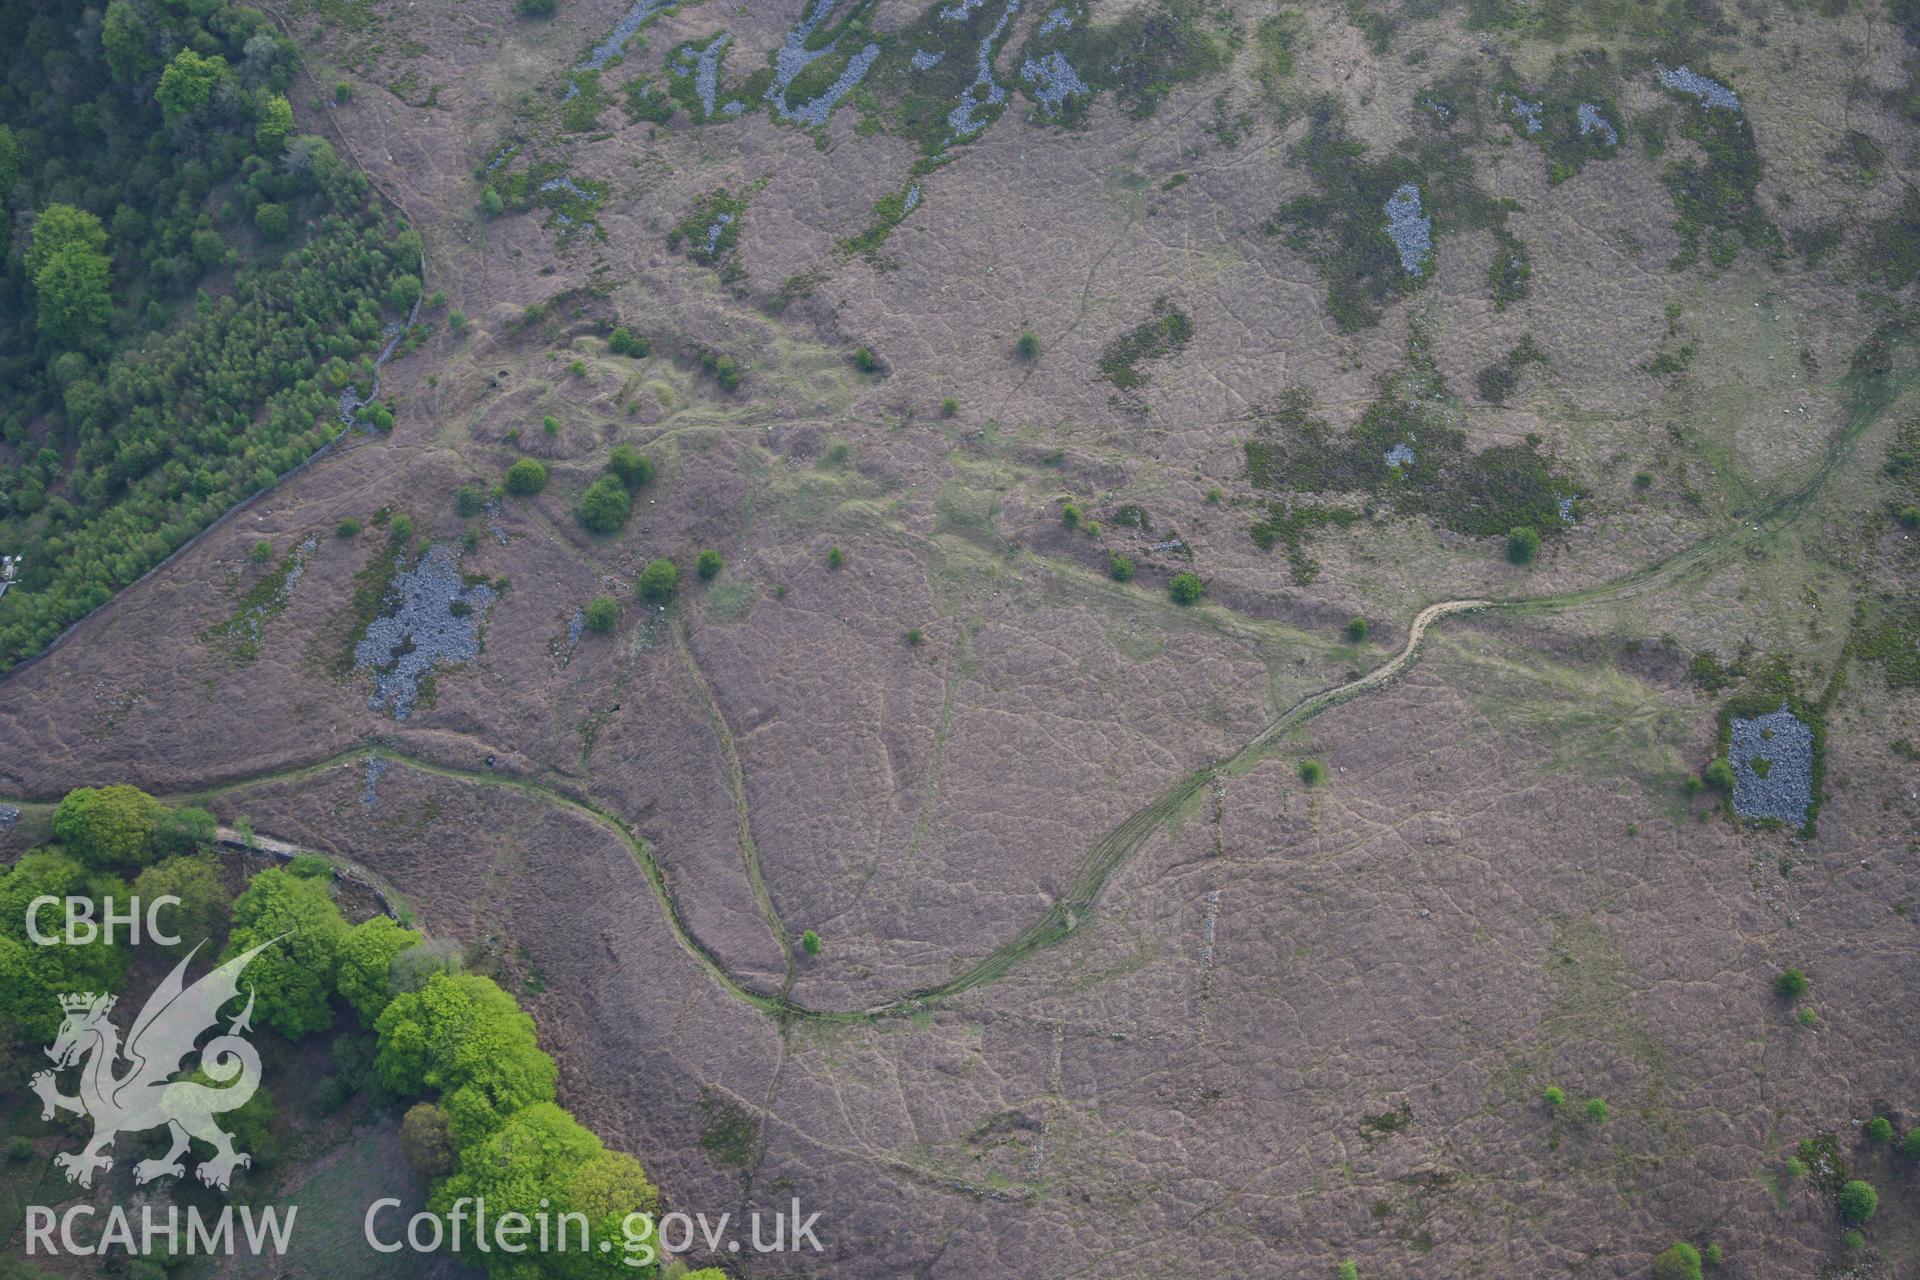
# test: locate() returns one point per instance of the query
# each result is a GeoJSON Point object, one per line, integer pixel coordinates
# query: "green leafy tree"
{"type": "Point", "coordinates": [204, 900]}
{"type": "Point", "coordinates": [810, 942]}
{"type": "Point", "coordinates": [415, 966]}
{"type": "Point", "coordinates": [107, 826]}
{"type": "Point", "coordinates": [67, 260]}
{"type": "Point", "coordinates": [74, 300]}
{"type": "Point", "coordinates": [526, 477]}
{"type": "Point", "coordinates": [708, 565]}
{"type": "Point", "coordinates": [127, 42]}
{"type": "Point", "coordinates": [1027, 346]}
{"type": "Point", "coordinates": [1357, 631]}
{"type": "Point", "coordinates": [404, 291]}
{"type": "Point", "coordinates": [184, 830]}
{"type": "Point", "coordinates": [659, 580]}
{"type": "Point", "coordinates": [1678, 1261]}
{"type": "Point", "coordinates": [1878, 1131]}
{"type": "Point", "coordinates": [60, 227]}
{"type": "Point", "coordinates": [33, 977]}
{"type": "Point", "coordinates": [293, 979]}
{"type": "Point", "coordinates": [274, 221]}
{"type": "Point", "coordinates": [189, 83]}
{"type": "Point", "coordinates": [604, 506]}
{"type": "Point", "coordinates": [632, 467]}
{"type": "Point", "coordinates": [366, 962]}
{"type": "Point", "coordinates": [1523, 544]}
{"type": "Point", "coordinates": [1858, 1201]}
{"type": "Point", "coordinates": [426, 1140]}
{"type": "Point", "coordinates": [543, 1160]}
{"type": "Point", "coordinates": [1312, 772]}
{"type": "Point", "coordinates": [1791, 984]}
{"type": "Point", "coordinates": [276, 122]}
{"type": "Point", "coordinates": [464, 1037]}
{"type": "Point", "coordinates": [1719, 775]}
{"type": "Point", "coordinates": [1555, 1097]}
{"type": "Point", "coordinates": [1186, 588]}
{"type": "Point", "coordinates": [1598, 1111]}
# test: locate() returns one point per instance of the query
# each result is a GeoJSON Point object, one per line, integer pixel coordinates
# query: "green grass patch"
{"type": "Point", "coordinates": [889, 211]}
{"type": "Point", "coordinates": [1140, 57]}
{"type": "Point", "coordinates": [1716, 197]}
{"type": "Point", "coordinates": [1483, 494]}
{"type": "Point", "coordinates": [711, 230]}
{"type": "Point", "coordinates": [580, 113]}
{"type": "Point", "coordinates": [1497, 381]}
{"type": "Point", "coordinates": [1289, 527]}
{"type": "Point", "coordinates": [1165, 332]}
{"type": "Point", "coordinates": [1341, 226]}
{"type": "Point", "coordinates": [240, 634]}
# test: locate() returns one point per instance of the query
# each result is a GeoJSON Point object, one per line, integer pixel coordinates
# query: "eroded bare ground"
{"type": "Point", "coordinates": [1295, 1023]}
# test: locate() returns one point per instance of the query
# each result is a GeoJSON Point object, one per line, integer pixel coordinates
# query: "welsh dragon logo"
{"type": "Point", "coordinates": [143, 1095]}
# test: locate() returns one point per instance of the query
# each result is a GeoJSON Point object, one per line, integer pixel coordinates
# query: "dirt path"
{"type": "Point", "coordinates": [1113, 850]}
{"type": "Point", "coordinates": [1068, 913]}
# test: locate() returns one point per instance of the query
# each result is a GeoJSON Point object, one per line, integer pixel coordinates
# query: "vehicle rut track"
{"type": "Point", "coordinates": [1114, 849]}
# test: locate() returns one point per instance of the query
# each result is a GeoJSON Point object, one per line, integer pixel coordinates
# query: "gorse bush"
{"type": "Point", "coordinates": [604, 507]}
{"type": "Point", "coordinates": [632, 467]}
{"type": "Point", "coordinates": [526, 477]}
{"type": "Point", "coordinates": [1678, 1261]}
{"type": "Point", "coordinates": [602, 614]}
{"type": "Point", "coordinates": [1858, 1201]}
{"type": "Point", "coordinates": [659, 580]}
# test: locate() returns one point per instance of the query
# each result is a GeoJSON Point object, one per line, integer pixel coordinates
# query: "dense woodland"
{"type": "Point", "coordinates": [188, 285]}
{"type": "Point", "coordinates": [415, 1040]}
